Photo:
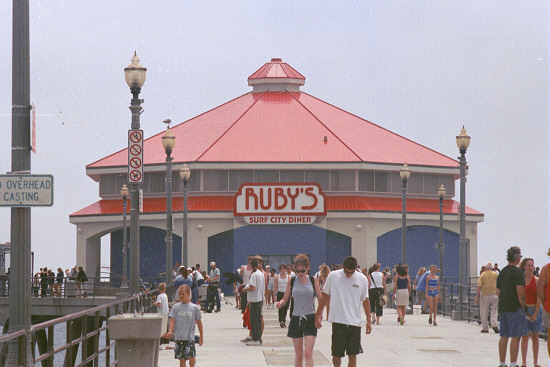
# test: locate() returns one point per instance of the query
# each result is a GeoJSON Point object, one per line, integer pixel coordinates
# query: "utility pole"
{"type": "Point", "coordinates": [20, 273]}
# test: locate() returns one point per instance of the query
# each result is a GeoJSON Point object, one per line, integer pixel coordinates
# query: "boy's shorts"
{"type": "Point", "coordinates": [346, 339]}
{"type": "Point", "coordinates": [185, 349]}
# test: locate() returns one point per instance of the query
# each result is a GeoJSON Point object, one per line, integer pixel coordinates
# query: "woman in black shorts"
{"type": "Point", "coordinates": [303, 289]}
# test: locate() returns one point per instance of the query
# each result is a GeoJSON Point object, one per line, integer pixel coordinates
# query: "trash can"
{"type": "Point", "coordinates": [137, 338]}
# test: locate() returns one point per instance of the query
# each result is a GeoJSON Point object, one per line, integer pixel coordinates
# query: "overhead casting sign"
{"type": "Point", "coordinates": [280, 203]}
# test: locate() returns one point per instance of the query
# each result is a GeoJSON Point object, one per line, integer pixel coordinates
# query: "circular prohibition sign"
{"type": "Point", "coordinates": [135, 162]}
{"type": "Point", "coordinates": [135, 137]}
{"type": "Point", "coordinates": [135, 176]}
{"type": "Point", "coordinates": [135, 149]}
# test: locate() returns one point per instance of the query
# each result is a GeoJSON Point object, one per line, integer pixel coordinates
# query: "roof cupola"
{"type": "Point", "coordinates": [276, 75]}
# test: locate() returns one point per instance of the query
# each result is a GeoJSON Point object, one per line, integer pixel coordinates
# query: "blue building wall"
{"type": "Point", "coordinates": [421, 249]}
{"type": "Point", "coordinates": [231, 249]}
{"type": "Point", "coordinates": [152, 252]}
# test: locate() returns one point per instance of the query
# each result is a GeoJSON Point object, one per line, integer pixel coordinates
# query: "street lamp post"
{"type": "Point", "coordinates": [168, 143]}
{"type": "Point", "coordinates": [124, 193]}
{"type": "Point", "coordinates": [441, 192]}
{"type": "Point", "coordinates": [185, 174]}
{"type": "Point", "coordinates": [135, 78]}
{"type": "Point", "coordinates": [463, 142]}
{"type": "Point", "coordinates": [405, 174]}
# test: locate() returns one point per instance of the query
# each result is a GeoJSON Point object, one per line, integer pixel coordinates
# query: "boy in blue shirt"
{"type": "Point", "coordinates": [184, 315]}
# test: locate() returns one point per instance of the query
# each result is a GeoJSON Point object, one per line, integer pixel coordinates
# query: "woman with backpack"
{"type": "Point", "coordinates": [376, 291]}
{"type": "Point", "coordinates": [302, 288]}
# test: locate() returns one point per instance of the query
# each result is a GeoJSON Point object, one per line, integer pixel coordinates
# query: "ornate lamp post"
{"type": "Point", "coordinates": [185, 174]}
{"type": "Point", "coordinates": [441, 193]}
{"type": "Point", "coordinates": [135, 78]}
{"type": "Point", "coordinates": [405, 174]}
{"type": "Point", "coordinates": [124, 193]}
{"type": "Point", "coordinates": [463, 142]}
{"type": "Point", "coordinates": [168, 142]}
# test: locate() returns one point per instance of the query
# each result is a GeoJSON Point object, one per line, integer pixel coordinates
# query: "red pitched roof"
{"type": "Point", "coordinates": [282, 126]}
{"type": "Point", "coordinates": [276, 69]}
{"type": "Point", "coordinates": [225, 204]}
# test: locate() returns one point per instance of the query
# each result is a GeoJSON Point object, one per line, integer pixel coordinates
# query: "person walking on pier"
{"type": "Point", "coordinates": [346, 291]}
{"type": "Point", "coordinates": [534, 316]}
{"type": "Point", "coordinates": [432, 294]}
{"type": "Point", "coordinates": [402, 291]}
{"type": "Point", "coordinates": [255, 290]}
{"type": "Point", "coordinates": [511, 303]}
{"type": "Point", "coordinates": [184, 315]}
{"type": "Point", "coordinates": [215, 283]}
{"type": "Point", "coordinates": [302, 289]}
{"type": "Point", "coordinates": [543, 292]}
{"type": "Point", "coordinates": [279, 288]}
{"type": "Point", "coordinates": [487, 299]}
{"type": "Point", "coordinates": [376, 291]}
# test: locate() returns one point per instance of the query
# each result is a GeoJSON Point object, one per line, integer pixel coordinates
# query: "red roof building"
{"type": "Point", "coordinates": [277, 134]}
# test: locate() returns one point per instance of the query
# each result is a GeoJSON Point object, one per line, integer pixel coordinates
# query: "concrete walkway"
{"type": "Point", "coordinates": [451, 343]}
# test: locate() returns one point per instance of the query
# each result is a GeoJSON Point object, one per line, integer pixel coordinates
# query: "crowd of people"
{"type": "Point", "coordinates": [517, 295]}
{"type": "Point", "coordinates": [46, 282]}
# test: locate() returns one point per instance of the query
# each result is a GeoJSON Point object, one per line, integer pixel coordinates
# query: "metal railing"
{"type": "Point", "coordinates": [83, 329]}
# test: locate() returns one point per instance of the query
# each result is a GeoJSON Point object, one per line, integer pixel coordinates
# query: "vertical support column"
{"type": "Point", "coordinates": [20, 287]}
{"type": "Point", "coordinates": [135, 107]}
{"type": "Point", "coordinates": [184, 250]}
{"type": "Point", "coordinates": [462, 253]}
{"type": "Point", "coordinates": [169, 237]}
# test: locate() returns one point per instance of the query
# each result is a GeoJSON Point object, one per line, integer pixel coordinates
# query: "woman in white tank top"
{"type": "Point", "coordinates": [279, 288]}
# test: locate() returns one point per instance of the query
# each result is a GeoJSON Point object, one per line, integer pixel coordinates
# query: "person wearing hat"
{"type": "Point", "coordinates": [215, 282]}
{"type": "Point", "coordinates": [511, 305]}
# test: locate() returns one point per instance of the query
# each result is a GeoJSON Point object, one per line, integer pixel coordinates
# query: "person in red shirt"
{"type": "Point", "coordinates": [533, 314]}
{"type": "Point", "coordinates": [543, 291]}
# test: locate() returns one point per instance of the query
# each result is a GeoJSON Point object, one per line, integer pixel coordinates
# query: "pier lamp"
{"type": "Point", "coordinates": [463, 142]}
{"type": "Point", "coordinates": [124, 193]}
{"type": "Point", "coordinates": [405, 174]}
{"type": "Point", "coordinates": [168, 143]}
{"type": "Point", "coordinates": [441, 193]}
{"type": "Point", "coordinates": [185, 174]}
{"type": "Point", "coordinates": [135, 78]}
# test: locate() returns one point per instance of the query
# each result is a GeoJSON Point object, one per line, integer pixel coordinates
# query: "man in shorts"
{"type": "Point", "coordinates": [511, 305]}
{"type": "Point", "coordinates": [345, 291]}
{"type": "Point", "coordinates": [543, 292]}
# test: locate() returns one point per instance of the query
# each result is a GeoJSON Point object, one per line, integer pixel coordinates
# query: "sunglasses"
{"type": "Point", "coordinates": [301, 271]}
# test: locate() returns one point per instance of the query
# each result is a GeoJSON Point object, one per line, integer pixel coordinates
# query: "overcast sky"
{"type": "Point", "coordinates": [420, 69]}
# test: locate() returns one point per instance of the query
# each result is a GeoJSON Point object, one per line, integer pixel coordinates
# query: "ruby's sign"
{"type": "Point", "coordinates": [280, 203]}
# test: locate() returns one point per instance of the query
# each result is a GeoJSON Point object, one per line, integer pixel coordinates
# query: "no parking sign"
{"type": "Point", "coordinates": [135, 156]}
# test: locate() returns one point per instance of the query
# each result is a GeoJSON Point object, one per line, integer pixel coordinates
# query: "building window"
{"type": "Point", "coordinates": [320, 177]}
{"type": "Point", "coordinates": [266, 176]}
{"type": "Point", "coordinates": [381, 182]}
{"type": "Point", "coordinates": [366, 181]}
{"type": "Point", "coordinates": [107, 185]}
{"type": "Point", "coordinates": [214, 180]}
{"type": "Point", "coordinates": [342, 181]}
{"type": "Point", "coordinates": [292, 176]}
{"type": "Point", "coordinates": [157, 183]}
{"type": "Point", "coordinates": [237, 178]}
{"type": "Point", "coordinates": [415, 185]}
{"type": "Point", "coordinates": [430, 184]}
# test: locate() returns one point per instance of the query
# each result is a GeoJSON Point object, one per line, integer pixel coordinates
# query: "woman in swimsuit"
{"type": "Point", "coordinates": [432, 293]}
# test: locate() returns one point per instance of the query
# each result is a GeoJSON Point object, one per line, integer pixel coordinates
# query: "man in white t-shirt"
{"type": "Point", "coordinates": [345, 291]}
{"type": "Point", "coordinates": [255, 290]}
